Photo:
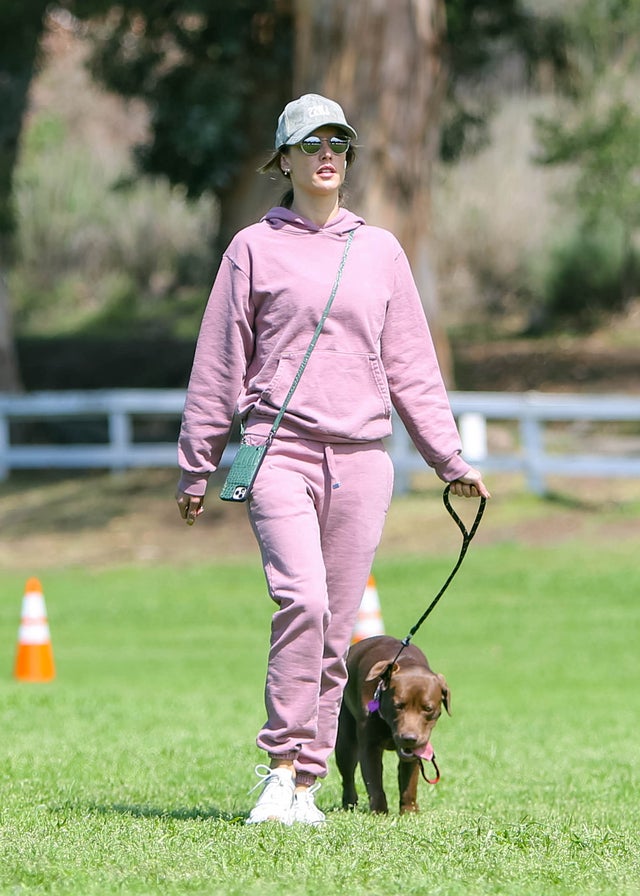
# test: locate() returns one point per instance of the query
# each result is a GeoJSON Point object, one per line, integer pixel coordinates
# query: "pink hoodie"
{"type": "Point", "coordinates": [375, 349]}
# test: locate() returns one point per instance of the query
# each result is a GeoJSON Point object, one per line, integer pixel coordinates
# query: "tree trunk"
{"type": "Point", "coordinates": [9, 377]}
{"type": "Point", "coordinates": [21, 26]}
{"type": "Point", "coordinates": [385, 64]}
{"type": "Point", "coordinates": [250, 196]}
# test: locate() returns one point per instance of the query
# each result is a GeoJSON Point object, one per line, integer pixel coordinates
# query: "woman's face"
{"type": "Point", "coordinates": [321, 174]}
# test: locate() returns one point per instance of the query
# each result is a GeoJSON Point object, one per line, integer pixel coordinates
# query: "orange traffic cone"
{"type": "Point", "coordinates": [369, 619]}
{"type": "Point", "coordinates": [34, 658]}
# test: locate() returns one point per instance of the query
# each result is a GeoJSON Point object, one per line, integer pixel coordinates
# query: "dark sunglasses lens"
{"type": "Point", "coordinates": [311, 145]}
{"type": "Point", "coordinates": [339, 144]}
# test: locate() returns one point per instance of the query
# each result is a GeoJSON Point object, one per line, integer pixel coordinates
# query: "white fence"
{"type": "Point", "coordinates": [527, 442]}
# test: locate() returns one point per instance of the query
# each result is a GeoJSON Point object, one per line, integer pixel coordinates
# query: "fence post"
{"type": "Point", "coordinates": [533, 445]}
{"type": "Point", "coordinates": [400, 449]}
{"type": "Point", "coordinates": [4, 448]}
{"type": "Point", "coordinates": [473, 435]}
{"type": "Point", "coordinates": [119, 439]}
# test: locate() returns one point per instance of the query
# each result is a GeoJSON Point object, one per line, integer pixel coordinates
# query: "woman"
{"type": "Point", "coordinates": [320, 499]}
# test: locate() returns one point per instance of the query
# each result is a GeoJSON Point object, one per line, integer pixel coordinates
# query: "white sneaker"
{"type": "Point", "coordinates": [304, 809]}
{"type": "Point", "coordinates": [274, 803]}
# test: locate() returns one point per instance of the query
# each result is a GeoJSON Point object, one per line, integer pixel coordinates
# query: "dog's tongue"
{"type": "Point", "coordinates": [425, 752]}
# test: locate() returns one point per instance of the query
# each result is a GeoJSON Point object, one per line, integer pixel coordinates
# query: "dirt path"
{"type": "Point", "coordinates": [98, 520]}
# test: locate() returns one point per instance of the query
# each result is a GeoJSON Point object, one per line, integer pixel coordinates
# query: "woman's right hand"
{"type": "Point", "coordinates": [190, 506]}
{"type": "Point", "coordinates": [470, 486]}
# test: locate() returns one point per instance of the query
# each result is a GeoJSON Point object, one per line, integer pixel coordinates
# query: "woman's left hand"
{"type": "Point", "coordinates": [470, 486]}
{"type": "Point", "coordinates": [190, 507]}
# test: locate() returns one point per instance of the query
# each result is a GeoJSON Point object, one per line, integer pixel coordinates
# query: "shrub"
{"type": "Point", "coordinates": [589, 273]}
{"type": "Point", "coordinates": [88, 247]}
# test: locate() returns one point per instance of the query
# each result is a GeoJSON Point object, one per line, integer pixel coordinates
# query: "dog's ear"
{"type": "Point", "coordinates": [382, 669]}
{"type": "Point", "coordinates": [446, 693]}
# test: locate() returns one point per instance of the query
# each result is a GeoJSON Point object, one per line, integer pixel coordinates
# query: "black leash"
{"type": "Point", "coordinates": [467, 536]}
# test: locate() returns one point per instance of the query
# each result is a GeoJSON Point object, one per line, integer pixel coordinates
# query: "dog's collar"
{"type": "Point", "coordinates": [374, 704]}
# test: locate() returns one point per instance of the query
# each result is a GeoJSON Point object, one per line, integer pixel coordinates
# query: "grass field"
{"type": "Point", "coordinates": [130, 773]}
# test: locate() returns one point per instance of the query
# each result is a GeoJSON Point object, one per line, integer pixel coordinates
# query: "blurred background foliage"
{"type": "Point", "coordinates": [142, 122]}
{"type": "Point", "coordinates": [597, 136]}
{"type": "Point", "coordinates": [98, 250]}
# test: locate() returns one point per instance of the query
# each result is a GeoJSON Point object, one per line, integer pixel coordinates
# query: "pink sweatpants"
{"type": "Point", "coordinates": [317, 512]}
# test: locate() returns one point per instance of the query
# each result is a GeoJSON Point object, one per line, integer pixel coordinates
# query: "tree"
{"type": "Point", "coordinates": [483, 38]}
{"type": "Point", "coordinates": [386, 63]}
{"type": "Point", "coordinates": [20, 29]}
{"type": "Point", "coordinates": [401, 69]}
{"type": "Point", "coordinates": [216, 78]}
{"type": "Point", "coordinates": [597, 137]}
{"type": "Point", "coordinates": [216, 75]}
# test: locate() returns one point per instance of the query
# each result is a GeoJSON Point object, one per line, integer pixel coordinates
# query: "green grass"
{"type": "Point", "coordinates": [130, 773]}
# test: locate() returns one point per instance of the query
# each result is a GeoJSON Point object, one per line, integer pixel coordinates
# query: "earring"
{"type": "Point", "coordinates": [286, 172]}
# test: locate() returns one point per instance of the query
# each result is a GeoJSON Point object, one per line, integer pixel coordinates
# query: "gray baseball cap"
{"type": "Point", "coordinates": [302, 116]}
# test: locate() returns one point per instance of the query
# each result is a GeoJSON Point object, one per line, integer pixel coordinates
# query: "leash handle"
{"type": "Point", "coordinates": [435, 766]}
{"type": "Point", "coordinates": [467, 536]}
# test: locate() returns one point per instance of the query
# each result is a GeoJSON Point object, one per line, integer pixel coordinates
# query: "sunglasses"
{"type": "Point", "coordinates": [312, 145]}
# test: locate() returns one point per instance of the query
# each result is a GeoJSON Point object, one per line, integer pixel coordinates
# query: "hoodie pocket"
{"type": "Point", "coordinates": [340, 394]}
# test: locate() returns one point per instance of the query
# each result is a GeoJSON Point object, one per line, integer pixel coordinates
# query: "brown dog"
{"type": "Point", "coordinates": [410, 697]}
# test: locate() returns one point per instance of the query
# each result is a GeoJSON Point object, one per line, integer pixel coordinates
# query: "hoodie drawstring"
{"type": "Point", "coordinates": [331, 466]}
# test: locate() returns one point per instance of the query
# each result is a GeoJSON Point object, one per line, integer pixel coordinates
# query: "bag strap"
{"type": "Point", "coordinates": [314, 339]}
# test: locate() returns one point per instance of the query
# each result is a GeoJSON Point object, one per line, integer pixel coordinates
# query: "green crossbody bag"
{"type": "Point", "coordinates": [247, 462]}
{"type": "Point", "coordinates": [243, 471]}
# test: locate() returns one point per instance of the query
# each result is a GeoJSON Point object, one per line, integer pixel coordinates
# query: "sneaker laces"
{"type": "Point", "coordinates": [264, 772]}
{"type": "Point", "coordinates": [308, 793]}
{"type": "Point", "coordinates": [305, 800]}
{"type": "Point", "coordinates": [276, 798]}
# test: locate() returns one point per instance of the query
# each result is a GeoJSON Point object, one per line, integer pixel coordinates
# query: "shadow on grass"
{"type": "Point", "coordinates": [573, 502]}
{"type": "Point", "coordinates": [184, 813]}
{"type": "Point", "coordinates": [594, 505]}
{"type": "Point", "coordinates": [63, 501]}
